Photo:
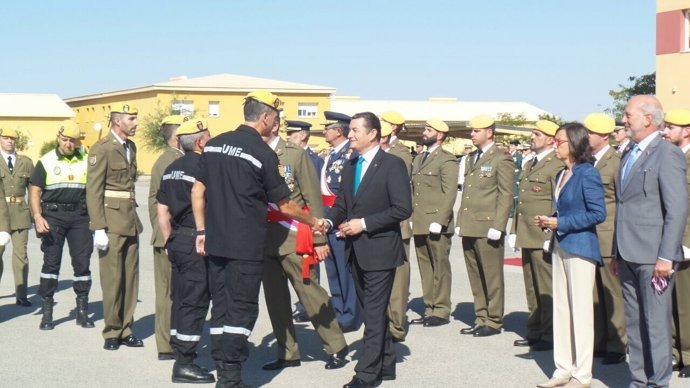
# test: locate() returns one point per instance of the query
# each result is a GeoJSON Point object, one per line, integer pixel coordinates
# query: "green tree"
{"type": "Point", "coordinates": [553, 118]}
{"type": "Point", "coordinates": [644, 84]}
{"type": "Point", "coordinates": [505, 118]}
{"type": "Point", "coordinates": [22, 142]}
{"type": "Point", "coordinates": [152, 138]}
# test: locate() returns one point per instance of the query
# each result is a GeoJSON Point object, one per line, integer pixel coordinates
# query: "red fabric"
{"type": "Point", "coordinates": [328, 200]}
{"type": "Point", "coordinates": [305, 247]}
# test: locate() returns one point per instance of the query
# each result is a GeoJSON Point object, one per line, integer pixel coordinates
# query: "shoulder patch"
{"type": "Point", "coordinates": [92, 160]}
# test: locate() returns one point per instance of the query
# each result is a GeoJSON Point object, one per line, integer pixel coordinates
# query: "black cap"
{"type": "Point", "coordinates": [335, 117]}
{"type": "Point", "coordinates": [295, 125]}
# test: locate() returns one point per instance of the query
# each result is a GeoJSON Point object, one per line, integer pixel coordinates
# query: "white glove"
{"type": "Point", "coordinates": [546, 246]}
{"type": "Point", "coordinates": [511, 240]}
{"type": "Point", "coordinates": [435, 228]}
{"type": "Point", "coordinates": [457, 231]}
{"type": "Point", "coordinates": [493, 234]}
{"type": "Point", "coordinates": [686, 252]}
{"type": "Point", "coordinates": [4, 238]}
{"type": "Point", "coordinates": [100, 240]}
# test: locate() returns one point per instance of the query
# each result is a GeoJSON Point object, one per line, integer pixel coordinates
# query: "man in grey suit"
{"type": "Point", "coordinates": [651, 209]}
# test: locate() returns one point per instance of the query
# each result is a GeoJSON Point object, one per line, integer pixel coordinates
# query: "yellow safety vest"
{"type": "Point", "coordinates": [64, 173]}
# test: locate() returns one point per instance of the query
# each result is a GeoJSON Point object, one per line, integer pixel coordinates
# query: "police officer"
{"type": "Point", "coordinates": [57, 196]}
{"type": "Point", "coordinates": [15, 171]}
{"type": "Point", "coordinates": [391, 124]}
{"type": "Point", "coordinates": [161, 264]}
{"type": "Point", "coordinates": [238, 176]}
{"type": "Point", "coordinates": [112, 211]}
{"type": "Point", "coordinates": [190, 295]}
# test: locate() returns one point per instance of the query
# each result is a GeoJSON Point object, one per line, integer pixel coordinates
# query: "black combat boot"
{"type": "Point", "coordinates": [230, 375]}
{"type": "Point", "coordinates": [83, 312]}
{"type": "Point", "coordinates": [47, 319]}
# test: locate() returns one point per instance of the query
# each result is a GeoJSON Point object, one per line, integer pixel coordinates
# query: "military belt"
{"type": "Point", "coordinates": [119, 194]}
{"type": "Point", "coordinates": [14, 199]}
{"type": "Point", "coordinates": [69, 207]}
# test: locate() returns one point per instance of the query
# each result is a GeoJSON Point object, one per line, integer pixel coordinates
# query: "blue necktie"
{"type": "Point", "coordinates": [634, 154]}
{"type": "Point", "coordinates": [358, 172]}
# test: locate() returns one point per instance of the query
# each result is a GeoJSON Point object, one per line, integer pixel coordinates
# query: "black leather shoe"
{"type": "Point", "coordinates": [435, 321]}
{"type": "Point", "coordinates": [541, 346]}
{"type": "Point", "coordinates": [388, 373]}
{"type": "Point", "coordinates": [398, 339]}
{"type": "Point", "coordinates": [684, 372]}
{"type": "Point", "coordinates": [524, 342]}
{"type": "Point", "coordinates": [470, 330]}
{"type": "Point", "coordinates": [23, 302]}
{"type": "Point", "coordinates": [357, 383]}
{"type": "Point", "coordinates": [486, 331]}
{"type": "Point", "coordinates": [132, 342]}
{"type": "Point", "coordinates": [191, 373]}
{"type": "Point", "coordinates": [280, 364]}
{"type": "Point", "coordinates": [418, 321]}
{"type": "Point", "coordinates": [612, 358]}
{"type": "Point", "coordinates": [166, 356]}
{"type": "Point", "coordinates": [111, 344]}
{"type": "Point", "coordinates": [338, 360]}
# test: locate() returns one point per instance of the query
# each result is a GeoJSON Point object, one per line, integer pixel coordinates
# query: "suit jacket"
{"type": "Point", "coordinates": [400, 150]}
{"type": "Point", "coordinates": [167, 157]}
{"type": "Point", "coordinates": [579, 208]}
{"type": "Point", "coordinates": [434, 186]}
{"type": "Point", "coordinates": [316, 161]}
{"type": "Point", "coordinates": [109, 170]}
{"type": "Point", "coordinates": [487, 195]}
{"type": "Point", "coordinates": [383, 200]}
{"type": "Point", "coordinates": [652, 205]}
{"type": "Point", "coordinates": [16, 184]}
{"type": "Point", "coordinates": [535, 198]}
{"type": "Point", "coordinates": [300, 176]}
{"type": "Point", "coordinates": [608, 167]}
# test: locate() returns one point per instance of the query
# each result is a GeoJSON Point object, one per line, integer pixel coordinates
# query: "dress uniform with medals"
{"type": "Point", "coordinates": [340, 281]}
{"type": "Point", "coordinates": [434, 188]}
{"type": "Point", "coordinates": [189, 284]}
{"type": "Point", "coordinates": [283, 263]}
{"type": "Point", "coordinates": [487, 198]}
{"type": "Point", "coordinates": [110, 199]}
{"type": "Point", "coordinates": [15, 171]}
{"type": "Point", "coordinates": [57, 196]}
{"type": "Point", "coordinates": [161, 264]}
{"type": "Point", "coordinates": [400, 294]}
{"type": "Point", "coordinates": [535, 197]}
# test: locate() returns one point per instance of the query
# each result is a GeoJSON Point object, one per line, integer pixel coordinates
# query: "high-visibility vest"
{"type": "Point", "coordinates": [64, 173]}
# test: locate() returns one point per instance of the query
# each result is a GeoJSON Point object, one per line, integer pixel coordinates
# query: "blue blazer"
{"type": "Point", "coordinates": [579, 208]}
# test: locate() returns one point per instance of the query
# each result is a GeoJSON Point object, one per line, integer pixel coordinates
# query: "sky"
{"type": "Point", "coordinates": [562, 56]}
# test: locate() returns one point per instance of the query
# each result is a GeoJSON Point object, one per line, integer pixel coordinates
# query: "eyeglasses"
{"type": "Point", "coordinates": [559, 142]}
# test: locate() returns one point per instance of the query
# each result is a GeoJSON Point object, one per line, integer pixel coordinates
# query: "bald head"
{"type": "Point", "coordinates": [643, 116]}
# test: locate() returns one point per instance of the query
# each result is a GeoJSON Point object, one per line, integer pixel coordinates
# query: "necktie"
{"type": "Point", "coordinates": [426, 154]}
{"type": "Point", "coordinates": [10, 165]}
{"type": "Point", "coordinates": [358, 172]}
{"type": "Point", "coordinates": [634, 153]}
{"type": "Point", "coordinates": [534, 163]}
{"type": "Point", "coordinates": [479, 155]}
{"type": "Point", "coordinates": [126, 147]}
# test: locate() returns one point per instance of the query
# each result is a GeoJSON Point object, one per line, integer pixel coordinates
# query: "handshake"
{"type": "Point", "coordinates": [348, 228]}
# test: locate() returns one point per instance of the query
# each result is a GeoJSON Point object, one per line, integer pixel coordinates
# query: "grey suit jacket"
{"type": "Point", "coordinates": [652, 205]}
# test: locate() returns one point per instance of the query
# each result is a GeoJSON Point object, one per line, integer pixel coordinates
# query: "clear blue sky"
{"type": "Point", "coordinates": [561, 56]}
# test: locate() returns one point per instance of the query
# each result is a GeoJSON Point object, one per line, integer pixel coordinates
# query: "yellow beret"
{"type": "Point", "coordinates": [481, 121]}
{"type": "Point", "coordinates": [267, 98]}
{"type": "Point", "coordinates": [386, 128]}
{"type": "Point", "coordinates": [680, 117]}
{"type": "Point", "coordinates": [393, 117]}
{"type": "Point", "coordinates": [69, 128]}
{"type": "Point", "coordinates": [599, 123]}
{"type": "Point", "coordinates": [437, 125]}
{"type": "Point", "coordinates": [6, 132]}
{"type": "Point", "coordinates": [123, 107]}
{"type": "Point", "coordinates": [547, 127]}
{"type": "Point", "coordinates": [174, 120]}
{"type": "Point", "coordinates": [191, 127]}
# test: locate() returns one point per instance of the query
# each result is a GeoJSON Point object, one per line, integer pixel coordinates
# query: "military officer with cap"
{"type": "Point", "coordinates": [161, 264]}
{"type": "Point", "coordinates": [238, 177]}
{"type": "Point", "coordinates": [189, 287]}
{"type": "Point", "coordinates": [535, 197]}
{"type": "Point", "coordinates": [15, 171]}
{"type": "Point", "coordinates": [434, 188]}
{"type": "Point", "coordinates": [284, 262]}
{"type": "Point", "coordinates": [677, 131]}
{"type": "Point", "coordinates": [111, 203]}
{"type": "Point", "coordinates": [482, 219]}
{"type": "Point", "coordinates": [391, 124]}
{"type": "Point", "coordinates": [340, 280]}
{"type": "Point", "coordinates": [57, 196]}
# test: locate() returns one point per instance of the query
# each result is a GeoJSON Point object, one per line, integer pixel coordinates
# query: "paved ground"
{"type": "Point", "coordinates": [70, 356]}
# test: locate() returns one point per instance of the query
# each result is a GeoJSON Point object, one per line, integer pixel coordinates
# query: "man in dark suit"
{"type": "Point", "coordinates": [651, 210]}
{"type": "Point", "coordinates": [374, 198]}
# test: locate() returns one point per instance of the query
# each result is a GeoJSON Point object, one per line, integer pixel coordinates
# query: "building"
{"type": "Point", "coordinates": [218, 98]}
{"type": "Point", "coordinates": [673, 53]}
{"type": "Point", "coordinates": [36, 116]}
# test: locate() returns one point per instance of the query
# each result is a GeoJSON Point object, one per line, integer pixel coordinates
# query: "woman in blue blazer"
{"type": "Point", "coordinates": [579, 202]}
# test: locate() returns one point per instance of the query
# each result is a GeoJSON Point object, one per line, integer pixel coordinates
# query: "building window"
{"type": "Point", "coordinates": [307, 109]}
{"type": "Point", "coordinates": [686, 41]}
{"type": "Point", "coordinates": [214, 109]}
{"type": "Point", "coordinates": [182, 107]}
